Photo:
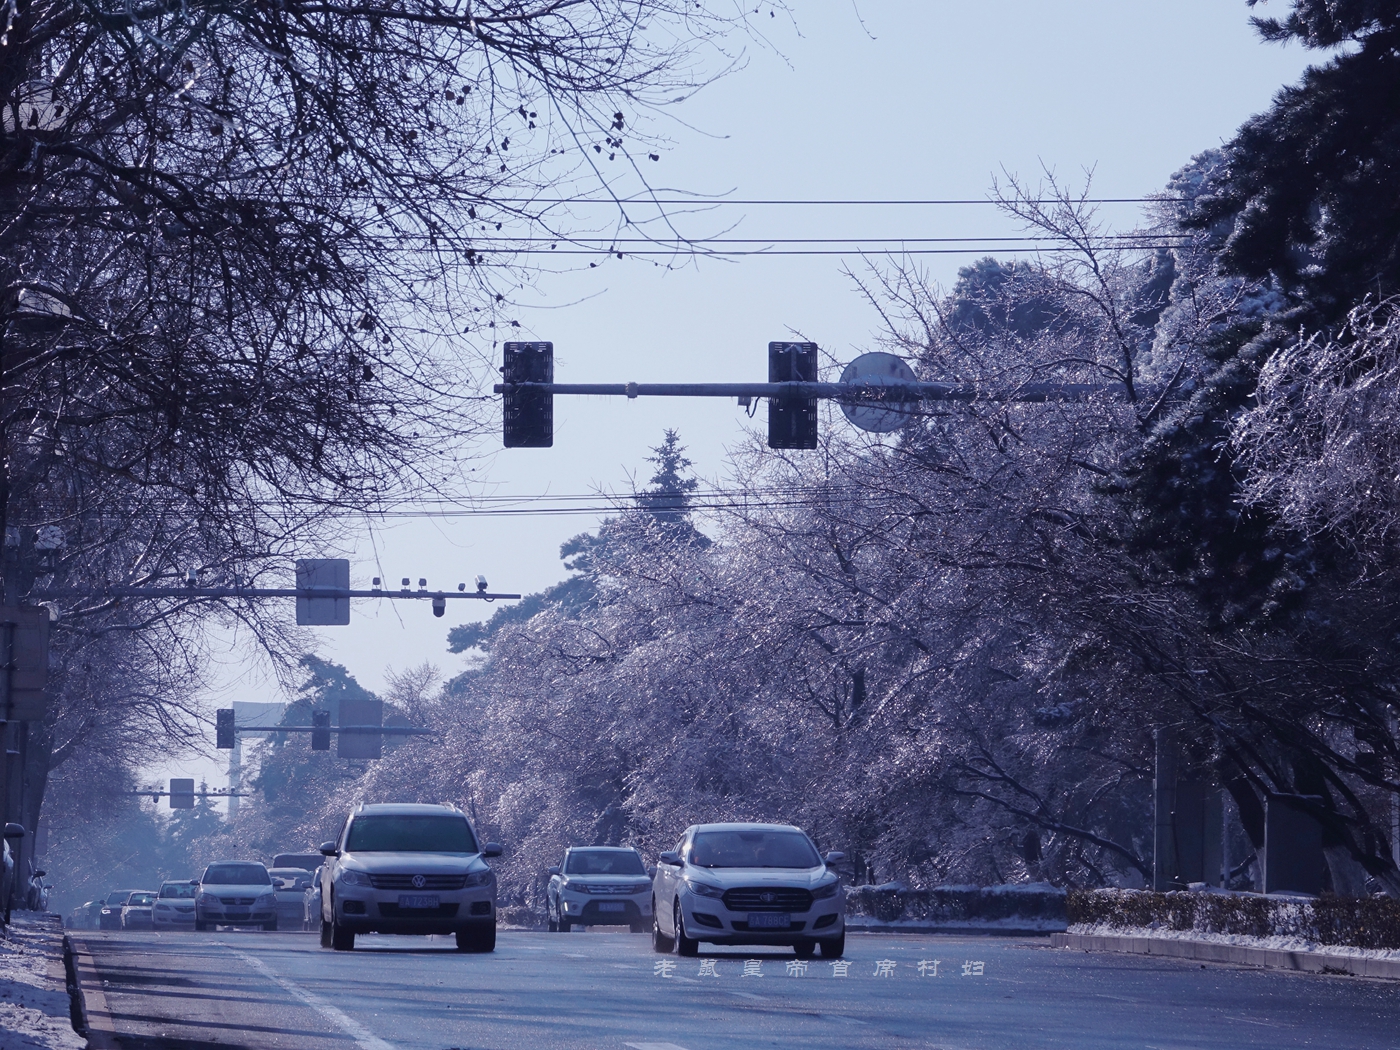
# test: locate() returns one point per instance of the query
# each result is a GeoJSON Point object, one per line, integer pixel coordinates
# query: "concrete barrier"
{"type": "Point", "coordinates": [1236, 954]}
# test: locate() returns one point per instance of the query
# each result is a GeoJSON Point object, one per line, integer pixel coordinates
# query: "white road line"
{"type": "Point", "coordinates": [364, 1038]}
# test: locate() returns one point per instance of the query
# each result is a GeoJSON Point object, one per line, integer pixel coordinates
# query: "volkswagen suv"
{"type": "Point", "coordinates": [748, 884]}
{"type": "Point", "coordinates": [408, 868]}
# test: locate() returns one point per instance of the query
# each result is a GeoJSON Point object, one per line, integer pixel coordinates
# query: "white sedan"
{"type": "Point", "coordinates": [748, 884]}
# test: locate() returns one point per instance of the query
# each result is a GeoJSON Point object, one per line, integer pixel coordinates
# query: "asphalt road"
{"type": "Point", "coordinates": [602, 991]}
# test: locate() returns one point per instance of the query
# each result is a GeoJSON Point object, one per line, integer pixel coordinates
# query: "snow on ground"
{"type": "Point", "coordinates": [33, 1005]}
{"type": "Point", "coordinates": [1283, 944]}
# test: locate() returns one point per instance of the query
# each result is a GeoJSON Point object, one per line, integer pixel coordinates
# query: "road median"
{"type": "Point", "coordinates": [1309, 961]}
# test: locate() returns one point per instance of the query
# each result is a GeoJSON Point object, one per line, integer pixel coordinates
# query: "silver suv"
{"type": "Point", "coordinates": [599, 886]}
{"type": "Point", "coordinates": [408, 868]}
{"type": "Point", "coordinates": [748, 884]}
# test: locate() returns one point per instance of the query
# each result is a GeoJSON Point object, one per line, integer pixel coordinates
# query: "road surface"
{"type": "Point", "coordinates": [609, 991]}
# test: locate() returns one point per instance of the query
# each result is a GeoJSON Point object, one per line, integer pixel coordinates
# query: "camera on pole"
{"type": "Point", "coordinates": [529, 414]}
{"type": "Point", "coordinates": [223, 728]}
{"type": "Point", "coordinates": [792, 421]}
{"type": "Point", "coordinates": [320, 730]}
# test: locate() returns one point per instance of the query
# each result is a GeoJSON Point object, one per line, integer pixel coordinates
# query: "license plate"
{"type": "Point", "coordinates": [611, 906]}
{"type": "Point", "coordinates": [767, 920]}
{"type": "Point", "coordinates": [418, 900]}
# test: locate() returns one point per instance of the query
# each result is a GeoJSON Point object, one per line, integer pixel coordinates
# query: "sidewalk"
{"type": "Point", "coordinates": [1311, 960]}
{"type": "Point", "coordinates": [34, 1002]}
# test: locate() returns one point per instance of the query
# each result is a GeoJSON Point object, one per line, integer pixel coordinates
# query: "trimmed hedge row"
{"type": "Point", "coordinates": [1365, 922]}
{"type": "Point", "coordinates": [956, 903]}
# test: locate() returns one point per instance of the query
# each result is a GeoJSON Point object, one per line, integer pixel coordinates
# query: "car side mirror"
{"type": "Point", "coordinates": [670, 857]}
{"type": "Point", "coordinates": [14, 831]}
{"type": "Point", "coordinates": [651, 871]}
{"type": "Point", "coordinates": [834, 857]}
{"type": "Point", "coordinates": [553, 869]}
{"type": "Point", "coordinates": [491, 849]}
{"type": "Point", "coordinates": [327, 849]}
{"type": "Point", "coordinates": [40, 873]}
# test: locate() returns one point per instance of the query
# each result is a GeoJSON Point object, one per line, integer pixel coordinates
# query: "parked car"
{"type": "Point", "coordinates": [174, 907]}
{"type": "Point", "coordinates": [290, 884]}
{"type": "Point", "coordinates": [748, 884]}
{"type": "Point", "coordinates": [311, 903]}
{"type": "Point", "coordinates": [599, 886]}
{"type": "Point", "coordinates": [402, 868]}
{"type": "Point", "coordinates": [36, 893]}
{"type": "Point", "coordinates": [83, 917]}
{"type": "Point", "coordinates": [136, 912]}
{"type": "Point", "coordinates": [110, 917]}
{"type": "Point", "coordinates": [235, 893]}
{"type": "Point", "coordinates": [305, 861]}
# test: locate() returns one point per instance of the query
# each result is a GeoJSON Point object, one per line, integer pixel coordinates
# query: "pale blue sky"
{"type": "Point", "coordinates": [897, 99]}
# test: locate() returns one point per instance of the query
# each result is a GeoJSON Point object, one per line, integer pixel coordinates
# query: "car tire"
{"type": "Point", "coordinates": [200, 927]}
{"type": "Point", "coordinates": [805, 949]}
{"type": "Point", "coordinates": [477, 940]}
{"type": "Point", "coordinates": [553, 923]}
{"type": "Point", "coordinates": [659, 941]}
{"type": "Point", "coordinates": [342, 940]}
{"type": "Point", "coordinates": [270, 927]}
{"type": "Point", "coordinates": [834, 947]}
{"type": "Point", "coordinates": [684, 945]}
{"type": "Point", "coordinates": [638, 927]}
{"type": "Point", "coordinates": [325, 934]}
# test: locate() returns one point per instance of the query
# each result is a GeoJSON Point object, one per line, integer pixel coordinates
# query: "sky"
{"type": "Point", "coordinates": [896, 100]}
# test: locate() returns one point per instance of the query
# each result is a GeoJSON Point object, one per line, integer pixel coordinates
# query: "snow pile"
{"type": "Point", "coordinates": [34, 1006]}
{"type": "Point", "coordinates": [1274, 943]}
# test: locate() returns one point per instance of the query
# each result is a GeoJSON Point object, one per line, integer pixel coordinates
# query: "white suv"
{"type": "Point", "coordinates": [748, 884]}
{"type": "Point", "coordinates": [599, 886]}
{"type": "Point", "coordinates": [408, 868]}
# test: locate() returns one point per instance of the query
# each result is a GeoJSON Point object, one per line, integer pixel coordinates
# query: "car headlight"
{"type": "Point", "coordinates": [481, 878]}
{"type": "Point", "coordinates": [821, 893]}
{"type": "Point", "coordinates": [206, 898]}
{"type": "Point", "coordinates": [703, 889]}
{"type": "Point", "coordinates": [267, 898]}
{"type": "Point", "coordinates": [351, 877]}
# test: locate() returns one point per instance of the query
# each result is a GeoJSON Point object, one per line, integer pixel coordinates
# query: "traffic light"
{"type": "Point", "coordinates": [320, 730]}
{"type": "Point", "coordinates": [792, 421]}
{"type": "Point", "coordinates": [223, 728]}
{"type": "Point", "coordinates": [529, 414]}
{"type": "Point", "coordinates": [182, 793]}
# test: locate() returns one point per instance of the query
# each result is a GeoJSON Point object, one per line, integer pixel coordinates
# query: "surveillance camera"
{"type": "Point", "coordinates": [439, 606]}
{"type": "Point", "coordinates": [481, 585]}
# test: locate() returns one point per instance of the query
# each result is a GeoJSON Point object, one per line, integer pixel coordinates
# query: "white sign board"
{"type": "Point", "coordinates": [330, 574]}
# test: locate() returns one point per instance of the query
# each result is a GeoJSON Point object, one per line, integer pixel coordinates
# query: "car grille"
{"type": "Point", "coordinates": [778, 898]}
{"type": "Point", "coordinates": [237, 900]}
{"type": "Point", "coordinates": [597, 889]}
{"type": "Point", "coordinates": [430, 882]}
{"type": "Point", "coordinates": [393, 911]}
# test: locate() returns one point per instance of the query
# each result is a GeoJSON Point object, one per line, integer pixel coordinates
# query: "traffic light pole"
{"type": "Point", "coordinates": [858, 393]}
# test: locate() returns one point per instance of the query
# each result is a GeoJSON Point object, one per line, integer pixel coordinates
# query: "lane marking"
{"type": "Point", "coordinates": [364, 1038]}
{"type": "Point", "coordinates": [654, 1046]}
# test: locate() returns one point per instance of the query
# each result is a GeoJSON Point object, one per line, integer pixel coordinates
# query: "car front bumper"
{"type": "Point", "coordinates": [707, 919]}
{"type": "Point", "coordinates": [366, 910]}
{"type": "Point", "coordinates": [605, 910]}
{"type": "Point", "coordinates": [173, 918]}
{"type": "Point", "coordinates": [235, 915]}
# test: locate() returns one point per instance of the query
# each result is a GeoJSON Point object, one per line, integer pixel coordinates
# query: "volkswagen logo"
{"type": "Point", "coordinates": [419, 882]}
{"type": "Point", "coordinates": [767, 898]}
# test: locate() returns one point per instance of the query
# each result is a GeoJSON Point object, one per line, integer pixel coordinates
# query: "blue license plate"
{"type": "Point", "coordinates": [418, 901]}
{"type": "Point", "coordinates": [611, 906]}
{"type": "Point", "coordinates": [767, 920]}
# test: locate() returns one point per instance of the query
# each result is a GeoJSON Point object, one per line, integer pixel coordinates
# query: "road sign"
{"type": "Point", "coordinates": [529, 414]}
{"type": "Point", "coordinates": [320, 730]}
{"type": "Point", "coordinates": [181, 793]}
{"type": "Point", "coordinates": [24, 662]}
{"type": "Point", "coordinates": [880, 412]}
{"type": "Point", "coordinates": [363, 738]}
{"type": "Point", "coordinates": [330, 574]}
{"type": "Point", "coordinates": [792, 421]}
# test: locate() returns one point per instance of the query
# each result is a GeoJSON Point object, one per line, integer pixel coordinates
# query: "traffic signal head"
{"type": "Point", "coordinates": [223, 728]}
{"type": "Point", "coordinates": [792, 421]}
{"type": "Point", "coordinates": [182, 793]}
{"type": "Point", "coordinates": [320, 730]}
{"type": "Point", "coordinates": [529, 414]}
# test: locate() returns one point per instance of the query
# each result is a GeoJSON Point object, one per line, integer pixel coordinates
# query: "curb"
{"type": "Point", "coordinates": [971, 931]}
{"type": "Point", "coordinates": [88, 1000]}
{"type": "Point", "coordinates": [1205, 951]}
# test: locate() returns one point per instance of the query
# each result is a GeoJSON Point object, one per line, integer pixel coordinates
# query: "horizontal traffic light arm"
{"type": "Point", "coordinates": [853, 392]}
{"type": "Point", "coordinates": [384, 730]}
{"type": "Point", "coordinates": [266, 592]}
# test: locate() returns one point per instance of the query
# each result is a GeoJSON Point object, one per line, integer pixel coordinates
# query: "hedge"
{"type": "Point", "coordinates": [951, 904]}
{"type": "Point", "coordinates": [1365, 922]}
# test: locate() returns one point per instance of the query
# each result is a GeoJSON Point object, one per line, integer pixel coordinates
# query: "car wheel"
{"type": "Point", "coordinates": [684, 945]}
{"type": "Point", "coordinates": [834, 947]}
{"type": "Point", "coordinates": [639, 927]}
{"type": "Point", "coordinates": [553, 922]}
{"type": "Point", "coordinates": [342, 940]}
{"type": "Point", "coordinates": [270, 927]}
{"type": "Point", "coordinates": [325, 934]}
{"type": "Point", "coordinates": [477, 940]}
{"type": "Point", "coordinates": [805, 949]}
{"type": "Point", "coordinates": [200, 927]}
{"type": "Point", "coordinates": [659, 941]}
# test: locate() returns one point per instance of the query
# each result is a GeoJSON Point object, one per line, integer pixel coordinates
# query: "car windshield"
{"type": "Point", "coordinates": [604, 862]}
{"type": "Point", "coordinates": [410, 833]}
{"type": "Point", "coordinates": [177, 889]}
{"type": "Point", "coordinates": [118, 897]}
{"type": "Point", "coordinates": [305, 861]}
{"type": "Point", "coordinates": [753, 849]}
{"type": "Point", "coordinates": [138, 899]}
{"type": "Point", "coordinates": [236, 875]}
{"type": "Point", "coordinates": [290, 878]}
